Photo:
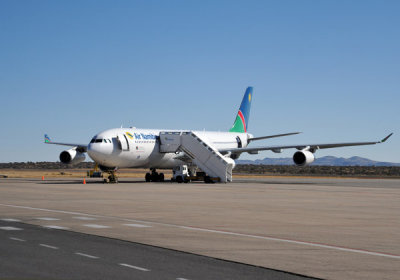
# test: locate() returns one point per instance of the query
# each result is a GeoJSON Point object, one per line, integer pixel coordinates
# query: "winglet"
{"type": "Point", "coordinates": [46, 139]}
{"type": "Point", "coordinates": [386, 138]}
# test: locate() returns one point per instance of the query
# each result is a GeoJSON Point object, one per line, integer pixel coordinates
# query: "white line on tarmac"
{"type": "Point", "coordinates": [321, 245]}
{"type": "Point", "coordinates": [47, 219]}
{"type": "Point", "coordinates": [95, 226]}
{"type": "Point", "coordinates": [84, 218]}
{"type": "Point", "coordinates": [55, 227]}
{"type": "Point", "coordinates": [137, 225]}
{"type": "Point", "coordinates": [48, 246]}
{"type": "Point", "coordinates": [17, 239]}
{"type": "Point", "coordinates": [134, 267]}
{"type": "Point", "coordinates": [10, 220]}
{"type": "Point", "coordinates": [86, 255]}
{"type": "Point", "coordinates": [181, 279]}
{"type": "Point", "coordinates": [326, 246]}
{"type": "Point", "coordinates": [10, 228]}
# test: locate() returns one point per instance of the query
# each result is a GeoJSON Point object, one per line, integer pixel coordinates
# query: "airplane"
{"type": "Point", "coordinates": [213, 152]}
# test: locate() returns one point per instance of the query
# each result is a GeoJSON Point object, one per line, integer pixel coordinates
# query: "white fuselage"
{"type": "Point", "coordinates": [141, 147]}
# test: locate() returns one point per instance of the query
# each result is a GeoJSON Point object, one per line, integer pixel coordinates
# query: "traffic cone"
{"type": "Point", "coordinates": [42, 178]}
{"type": "Point", "coordinates": [84, 181]}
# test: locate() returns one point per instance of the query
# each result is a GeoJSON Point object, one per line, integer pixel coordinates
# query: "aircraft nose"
{"type": "Point", "coordinates": [94, 152]}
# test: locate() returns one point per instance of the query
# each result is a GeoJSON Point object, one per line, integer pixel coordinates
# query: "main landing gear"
{"type": "Point", "coordinates": [154, 176]}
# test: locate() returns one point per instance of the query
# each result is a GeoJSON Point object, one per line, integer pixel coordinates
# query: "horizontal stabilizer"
{"type": "Point", "coordinates": [272, 136]}
{"type": "Point", "coordinates": [46, 139]}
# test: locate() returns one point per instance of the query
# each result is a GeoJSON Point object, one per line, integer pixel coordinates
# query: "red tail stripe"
{"type": "Point", "coordinates": [242, 118]}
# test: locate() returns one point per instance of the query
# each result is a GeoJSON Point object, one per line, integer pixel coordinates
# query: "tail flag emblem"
{"type": "Point", "coordinates": [241, 123]}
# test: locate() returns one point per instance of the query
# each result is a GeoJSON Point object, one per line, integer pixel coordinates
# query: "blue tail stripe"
{"type": "Point", "coordinates": [246, 103]}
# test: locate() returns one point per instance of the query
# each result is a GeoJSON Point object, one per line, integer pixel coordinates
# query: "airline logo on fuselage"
{"type": "Point", "coordinates": [129, 135]}
{"type": "Point", "coordinates": [140, 136]}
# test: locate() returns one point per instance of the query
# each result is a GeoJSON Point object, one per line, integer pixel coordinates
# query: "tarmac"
{"type": "Point", "coordinates": [323, 228]}
{"type": "Point", "coordinates": [34, 252]}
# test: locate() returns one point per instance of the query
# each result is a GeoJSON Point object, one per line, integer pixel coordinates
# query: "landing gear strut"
{"type": "Point", "coordinates": [154, 176]}
{"type": "Point", "coordinates": [112, 177]}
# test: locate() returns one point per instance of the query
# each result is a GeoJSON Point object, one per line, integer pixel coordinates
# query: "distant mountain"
{"type": "Point", "coordinates": [327, 161]}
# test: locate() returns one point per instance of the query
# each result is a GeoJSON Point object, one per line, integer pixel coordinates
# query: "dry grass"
{"type": "Point", "coordinates": [72, 173]}
{"type": "Point", "coordinates": [140, 173]}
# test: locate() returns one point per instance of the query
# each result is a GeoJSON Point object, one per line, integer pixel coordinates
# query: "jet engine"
{"type": "Point", "coordinates": [72, 156]}
{"type": "Point", "coordinates": [302, 158]}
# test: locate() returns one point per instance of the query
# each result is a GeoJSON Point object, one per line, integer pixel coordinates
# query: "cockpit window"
{"type": "Point", "coordinates": [99, 140]}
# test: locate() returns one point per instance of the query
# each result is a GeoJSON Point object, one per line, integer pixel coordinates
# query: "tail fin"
{"type": "Point", "coordinates": [242, 119]}
{"type": "Point", "coordinates": [47, 138]}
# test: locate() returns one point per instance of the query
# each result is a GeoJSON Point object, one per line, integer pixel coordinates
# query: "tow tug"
{"type": "Point", "coordinates": [186, 174]}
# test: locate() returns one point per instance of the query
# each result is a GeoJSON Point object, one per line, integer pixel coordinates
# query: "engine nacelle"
{"type": "Point", "coordinates": [302, 158]}
{"type": "Point", "coordinates": [72, 156]}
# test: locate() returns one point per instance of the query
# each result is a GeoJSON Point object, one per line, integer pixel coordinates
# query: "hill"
{"type": "Point", "coordinates": [323, 161]}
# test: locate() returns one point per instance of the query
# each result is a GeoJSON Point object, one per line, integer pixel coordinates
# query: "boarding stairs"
{"type": "Point", "coordinates": [202, 154]}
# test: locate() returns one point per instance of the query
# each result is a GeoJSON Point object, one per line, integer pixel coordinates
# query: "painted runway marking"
{"type": "Point", "coordinates": [321, 245]}
{"type": "Point", "coordinates": [17, 239]}
{"type": "Point", "coordinates": [49, 246]}
{"type": "Point", "coordinates": [271, 238]}
{"type": "Point", "coordinates": [181, 279]}
{"type": "Point", "coordinates": [55, 227]}
{"type": "Point", "coordinates": [47, 219]}
{"type": "Point", "coordinates": [134, 267]}
{"type": "Point", "coordinates": [137, 225]}
{"type": "Point", "coordinates": [86, 255]}
{"type": "Point", "coordinates": [10, 228]}
{"type": "Point", "coordinates": [95, 226]}
{"type": "Point", "coordinates": [84, 218]}
{"type": "Point", "coordinates": [10, 220]}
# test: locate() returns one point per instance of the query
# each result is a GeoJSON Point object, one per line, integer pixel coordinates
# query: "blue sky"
{"type": "Point", "coordinates": [73, 68]}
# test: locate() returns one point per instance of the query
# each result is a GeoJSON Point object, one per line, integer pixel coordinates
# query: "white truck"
{"type": "Point", "coordinates": [183, 174]}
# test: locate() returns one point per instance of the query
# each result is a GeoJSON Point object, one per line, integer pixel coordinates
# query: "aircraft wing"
{"type": "Point", "coordinates": [311, 147]}
{"type": "Point", "coordinates": [81, 147]}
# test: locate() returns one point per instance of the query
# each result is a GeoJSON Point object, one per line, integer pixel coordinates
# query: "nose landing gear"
{"type": "Point", "coordinates": [112, 177]}
{"type": "Point", "coordinates": [112, 174]}
{"type": "Point", "coordinates": [154, 176]}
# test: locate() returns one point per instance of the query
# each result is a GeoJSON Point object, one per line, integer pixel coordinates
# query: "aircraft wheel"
{"type": "Point", "coordinates": [179, 179]}
{"type": "Point", "coordinates": [186, 181]}
{"type": "Point", "coordinates": [161, 177]}
{"type": "Point", "coordinates": [148, 177]}
{"type": "Point", "coordinates": [155, 177]}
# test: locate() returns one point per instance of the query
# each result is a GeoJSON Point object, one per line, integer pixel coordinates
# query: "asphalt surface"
{"type": "Point", "coordinates": [328, 228]}
{"type": "Point", "coordinates": [34, 252]}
